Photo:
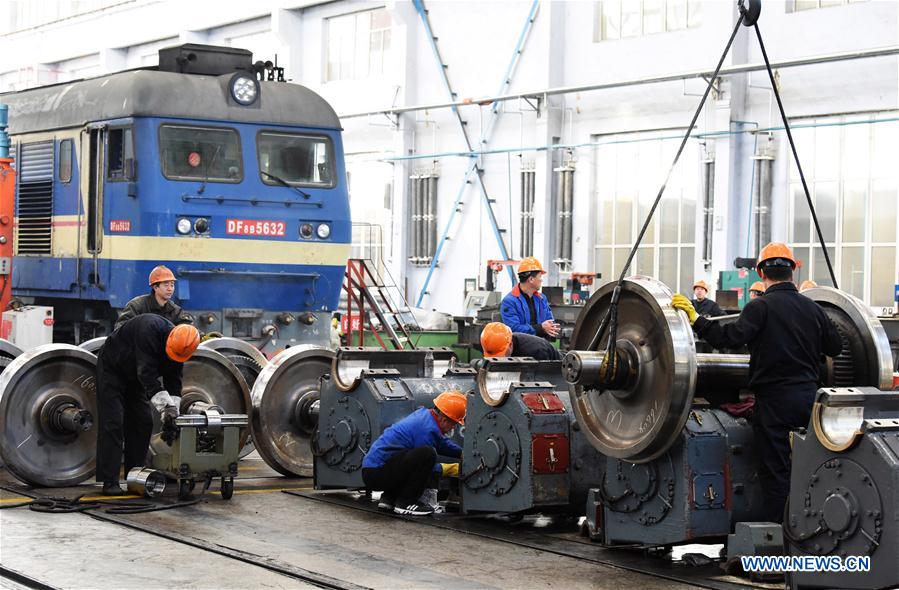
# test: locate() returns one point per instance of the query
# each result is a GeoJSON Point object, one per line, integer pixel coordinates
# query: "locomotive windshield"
{"type": "Point", "coordinates": [200, 153]}
{"type": "Point", "coordinates": [297, 159]}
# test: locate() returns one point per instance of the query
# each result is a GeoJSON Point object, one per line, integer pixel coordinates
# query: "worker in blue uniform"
{"type": "Point", "coordinates": [524, 308]}
{"type": "Point", "coordinates": [402, 462]}
{"type": "Point", "coordinates": [786, 334]}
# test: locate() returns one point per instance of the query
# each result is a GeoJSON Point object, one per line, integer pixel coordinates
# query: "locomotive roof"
{"type": "Point", "coordinates": [151, 93]}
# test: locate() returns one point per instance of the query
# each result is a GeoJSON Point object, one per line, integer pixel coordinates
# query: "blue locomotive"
{"type": "Point", "coordinates": [209, 164]}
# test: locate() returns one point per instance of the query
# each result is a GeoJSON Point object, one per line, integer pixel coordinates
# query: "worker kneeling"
{"type": "Point", "coordinates": [133, 360]}
{"type": "Point", "coordinates": [402, 462]}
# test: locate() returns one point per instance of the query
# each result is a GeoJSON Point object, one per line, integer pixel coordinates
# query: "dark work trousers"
{"type": "Point", "coordinates": [405, 475]}
{"type": "Point", "coordinates": [775, 415]}
{"type": "Point", "coordinates": [123, 416]}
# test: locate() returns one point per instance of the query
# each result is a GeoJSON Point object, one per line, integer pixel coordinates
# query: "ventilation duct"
{"type": "Point", "coordinates": [565, 177]}
{"type": "Point", "coordinates": [423, 218]}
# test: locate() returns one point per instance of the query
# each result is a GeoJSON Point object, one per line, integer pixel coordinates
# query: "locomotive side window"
{"type": "Point", "coordinates": [65, 160]}
{"type": "Point", "coordinates": [120, 154]}
{"type": "Point", "coordinates": [297, 159]}
{"type": "Point", "coordinates": [200, 153]}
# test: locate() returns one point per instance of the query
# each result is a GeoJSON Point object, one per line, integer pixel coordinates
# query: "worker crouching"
{"type": "Point", "coordinates": [402, 462]}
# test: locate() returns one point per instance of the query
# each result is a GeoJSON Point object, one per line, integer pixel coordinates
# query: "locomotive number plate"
{"type": "Point", "coordinates": [255, 227]}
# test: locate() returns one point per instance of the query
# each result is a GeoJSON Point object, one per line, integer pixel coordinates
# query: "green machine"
{"type": "Point", "coordinates": [739, 280]}
{"type": "Point", "coordinates": [207, 447]}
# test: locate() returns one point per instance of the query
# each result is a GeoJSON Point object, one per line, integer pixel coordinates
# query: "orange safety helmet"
{"type": "Point", "coordinates": [779, 251]}
{"type": "Point", "coordinates": [496, 339]}
{"type": "Point", "coordinates": [703, 284]}
{"type": "Point", "coordinates": [452, 404]}
{"type": "Point", "coordinates": [183, 340]}
{"type": "Point", "coordinates": [807, 284]}
{"type": "Point", "coordinates": [530, 264]}
{"type": "Point", "coordinates": [757, 286]}
{"type": "Point", "coordinates": [161, 274]}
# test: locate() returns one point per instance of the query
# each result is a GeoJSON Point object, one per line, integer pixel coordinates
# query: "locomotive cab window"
{"type": "Point", "coordinates": [302, 160]}
{"type": "Point", "coordinates": [65, 160]}
{"type": "Point", "coordinates": [200, 153]}
{"type": "Point", "coordinates": [119, 154]}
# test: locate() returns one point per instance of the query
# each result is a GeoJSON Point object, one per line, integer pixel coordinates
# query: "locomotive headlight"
{"type": "Point", "coordinates": [838, 422]}
{"type": "Point", "coordinates": [183, 226]}
{"type": "Point", "coordinates": [306, 231]}
{"type": "Point", "coordinates": [244, 89]}
{"type": "Point", "coordinates": [201, 225]}
{"type": "Point", "coordinates": [323, 231]}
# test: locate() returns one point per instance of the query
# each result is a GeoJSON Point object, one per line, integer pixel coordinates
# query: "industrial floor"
{"type": "Point", "coordinates": [266, 538]}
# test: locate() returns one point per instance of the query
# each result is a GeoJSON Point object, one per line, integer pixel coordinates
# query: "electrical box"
{"type": "Point", "coordinates": [28, 326]}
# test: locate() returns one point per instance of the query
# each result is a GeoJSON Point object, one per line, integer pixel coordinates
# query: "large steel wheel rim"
{"type": "Point", "coordinates": [866, 358]}
{"type": "Point", "coordinates": [639, 424]}
{"type": "Point", "coordinates": [9, 350]}
{"type": "Point", "coordinates": [94, 344]}
{"type": "Point", "coordinates": [32, 389]}
{"type": "Point", "coordinates": [234, 346]}
{"type": "Point", "coordinates": [284, 393]}
{"type": "Point", "coordinates": [210, 377]}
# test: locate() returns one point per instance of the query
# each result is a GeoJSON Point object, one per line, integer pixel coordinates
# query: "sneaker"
{"type": "Point", "coordinates": [414, 509]}
{"type": "Point", "coordinates": [386, 502]}
{"type": "Point", "coordinates": [112, 488]}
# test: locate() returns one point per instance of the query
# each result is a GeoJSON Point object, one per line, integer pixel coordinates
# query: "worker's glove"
{"type": "Point", "coordinates": [449, 469]}
{"type": "Point", "coordinates": [682, 303]}
{"type": "Point", "coordinates": [169, 429]}
{"type": "Point", "coordinates": [161, 400]}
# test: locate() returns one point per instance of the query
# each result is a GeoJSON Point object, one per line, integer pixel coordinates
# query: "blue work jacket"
{"type": "Point", "coordinates": [418, 429]}
{"type": "Point", "coordinates": [517, 316]}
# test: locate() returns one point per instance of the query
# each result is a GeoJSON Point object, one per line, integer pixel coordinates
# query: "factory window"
{"type": "Point", "coordinates": [200, 153]}
{"type": "Point", "coordinates": [619, 19]}
{"type": "Point", "coordinates": [358, 45]}
{"type": "Point", "coordinates": [295, 159]}
{"type": "Point", "coordinates": [630, 170]}
{"type": "Point", "coordinates": [65, 161]}
{"type": "Point", "coordinates": [849, 165]}
{"type": "Point", "coordinates": [798, 5]}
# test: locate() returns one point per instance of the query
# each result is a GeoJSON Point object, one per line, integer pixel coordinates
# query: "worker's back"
{"type": "Point", "coordinates": [146, 333]}
{"type": "Point", "coordinates": [786, 353]}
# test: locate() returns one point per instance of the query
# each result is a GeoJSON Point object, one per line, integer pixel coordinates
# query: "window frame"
{"type": "Point", "coordinates": [354, 62]}
{"type": "Point", "coordinates": [203, 127]}
{"type": "Point", "coordinates": [331, 159]}
{"type": "Point", "coordinates": [59, 160]}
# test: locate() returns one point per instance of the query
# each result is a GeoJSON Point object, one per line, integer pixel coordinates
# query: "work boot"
{"type": "Point", "coordinates": [112, 488]}
{"type": "Point", "coordinates": [429, 498]}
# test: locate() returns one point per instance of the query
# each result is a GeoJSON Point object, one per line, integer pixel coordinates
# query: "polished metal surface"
{"type": "Point", "coordinates": [94, 344]}
{"type": "Point", "coordinates": [642, 420]}
{"type": "Point", "coordinates": [285, 392]}
{"type": "Point", "coordinates": [48, 401]}
{"type": "Point", "coordinates": [866, 358]}
{"type": "Point", "coordinates": [209, 377]}
{"type": "Point", "coordinates": [494, 385]}
{"type": "Point", "coordinates": [145, 481]}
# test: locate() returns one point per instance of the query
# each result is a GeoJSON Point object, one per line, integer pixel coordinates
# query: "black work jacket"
{"type": "Point", "coordinates": [135, 352]}
{"type": "Point", "coordinates": [534, 346]}
{"type": "Point", "coordinates": [786, 334]}
{"type": "Point", "coordinates": [707, 308]}
{"type": "Point", "coordinates": [147, 304]}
